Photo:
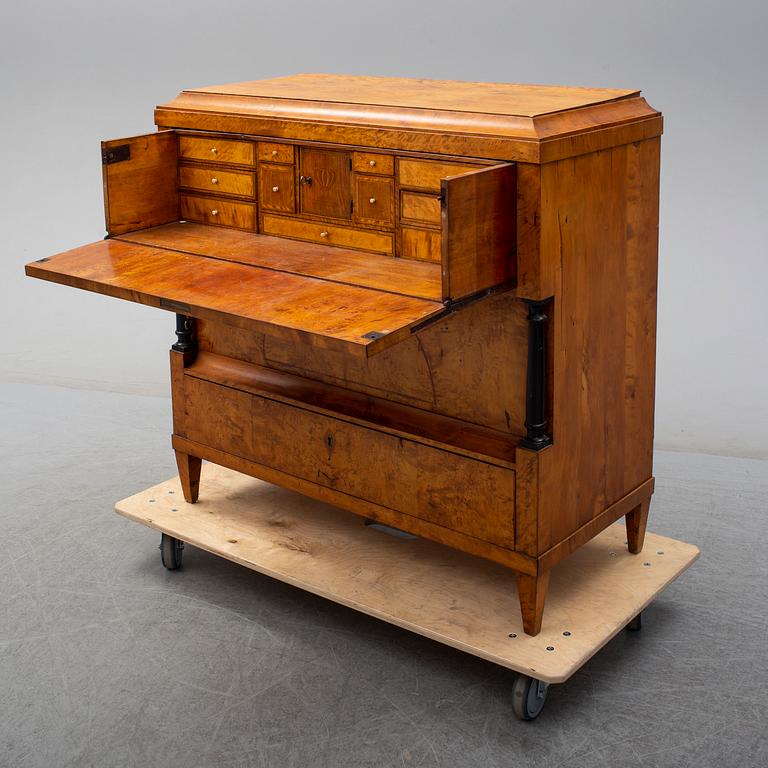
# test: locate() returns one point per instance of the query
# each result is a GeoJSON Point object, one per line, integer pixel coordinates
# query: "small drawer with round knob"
{"type": "Point", "coordinates": [373, 162]}
{"type": "Point", "coordinates": [218, 181]}
{"type": "Point", "coordinates": [215, 150]}
{"type": "Point", "coordinates": [277, 187]}
{"type": "Point", "coordinates": [272, 152]}
{"type": "Point", "coordinates": [374, 200]}
{"type": "Point", "coordinates": [328, 234]}
{"type": "Point", "coordinates": [226, 213]}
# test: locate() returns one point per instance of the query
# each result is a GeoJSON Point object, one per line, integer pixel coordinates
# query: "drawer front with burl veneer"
{"type": "Point", "coordinates": [429, 483]}
{"type": "Point", "coordinates": [216, 150]}
{"type": "Point", "coordinates": [328, 234]}
{"type": "Point", "coordinates": [225, 213]}
{"type": "Point", "coordinates": [277, 187]}
{"type": "Point", "coordinates": [216, 181]}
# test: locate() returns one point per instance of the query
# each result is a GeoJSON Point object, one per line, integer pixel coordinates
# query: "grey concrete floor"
{"type": "Point", "coordinates": [106, 659]}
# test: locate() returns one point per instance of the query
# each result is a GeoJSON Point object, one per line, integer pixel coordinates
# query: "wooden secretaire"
{"type": "Point", "coordinates": [430, 303]}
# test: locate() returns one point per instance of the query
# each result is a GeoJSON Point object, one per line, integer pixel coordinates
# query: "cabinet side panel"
{"type": "Point", "coordinates": [599, 242]}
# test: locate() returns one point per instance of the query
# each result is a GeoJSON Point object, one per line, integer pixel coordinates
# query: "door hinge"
{"type": "Point", "coordinates": [115, 154]}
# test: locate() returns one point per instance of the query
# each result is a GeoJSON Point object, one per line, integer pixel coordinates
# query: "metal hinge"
{"type": "Point", "coordinates": [116, 154]}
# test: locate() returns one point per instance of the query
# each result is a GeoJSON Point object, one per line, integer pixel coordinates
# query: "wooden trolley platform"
{"type": "Point", "coordinates": [443, 594]}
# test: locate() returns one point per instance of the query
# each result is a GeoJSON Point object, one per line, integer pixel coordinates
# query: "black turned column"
{"type": "Point", "coordinates": [536, 387]}
{"type": "Point", "coordinates": [186, 343]}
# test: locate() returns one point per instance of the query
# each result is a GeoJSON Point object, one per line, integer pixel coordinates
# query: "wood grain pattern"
{"type": "Point", "coordinates": [599, 241]}
{"type": "Point", "coordinates": [496, 98]}
{"type": "Point", "coordinates": [219, 212]}
{"type": "Point", "coordinates": [330, 234]}
{"type": "Point", "coordinates": [293, 307]}
{"type": "Point", "coordinates": [373, 162]}
{"type": "Point", "coordinates": [398, 419]}
{"type": "Point", "coordinates": [421, 481]}
{"type": "Point", "coordinates": [328, 191]}
{"type": "Point", "coordinates": [428, 174]}
{"type": "Point", "coordinates": [479, 350]}
{"type": "Point", "coordinates": [418, 208]}
{"type": "Point", "coordinates": [142, 190]}
{"type": "Point", "coordinates": [274, 152]}
{"type": "Point", "coordinates": [217, 181]}
{"type": "Point", "coordinates": [361, 507]}
{"type": "Point", "coordinates": [374, 200]}
{"type": "Point", "coordinates": [512, 122]}
{"type": "Point", "coordinates": [453, 598]}
{"type": "Point", "coordinates": [216, 150]}
{"type": "Point", "coordinates": [421, 245]}
{"type": "Point", "coordinates": [478, 230]}
{"type": "Point", "coordinates": [277, 187]}
{"type": "Point", "coordinates": [340, 265]}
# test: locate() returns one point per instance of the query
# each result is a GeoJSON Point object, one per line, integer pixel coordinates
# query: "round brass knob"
{"type": "Point", "coordinates": [214, 180]}
{"type": "Point", "coordinates": [275, 189]}
{"type": "Point", "coordinates": [214, 150]}
{"type": "Point", "coordinates": [274, 153]}
{"type": "Point", "coordinates": [214, 212]}
{"type": "Point", "coordinates": [372, 163]}
{"type": "Point", "coordinates": [371, 200]}
{"type": "Point", "coordinates": [323, 234]}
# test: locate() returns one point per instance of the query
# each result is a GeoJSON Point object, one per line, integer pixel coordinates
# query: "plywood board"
{"type": "Point", "coordinates": [456, 599]}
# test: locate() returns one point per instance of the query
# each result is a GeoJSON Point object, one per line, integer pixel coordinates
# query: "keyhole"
{"type": "Point", "coordinates": [329, 443]}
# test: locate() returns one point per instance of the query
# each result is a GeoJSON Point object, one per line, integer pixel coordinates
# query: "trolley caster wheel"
{"type": "Point", "coordinates": [170, 552]}
{"type": "Point", "coordinates": [528, 697]}
{"type": "Point", "coordinates": [636, 624]}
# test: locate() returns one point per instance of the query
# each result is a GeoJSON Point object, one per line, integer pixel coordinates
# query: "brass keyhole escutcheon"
{"type": "Point", "coordinates": [306, 180]}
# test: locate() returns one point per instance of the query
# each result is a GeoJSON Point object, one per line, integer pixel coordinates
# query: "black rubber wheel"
{"type": "Point", "coordinates": [636, 624]}
{"type": "Point", "coordinates": [170, 552]}
{"type": "Point", "coordinates": [528, 697]}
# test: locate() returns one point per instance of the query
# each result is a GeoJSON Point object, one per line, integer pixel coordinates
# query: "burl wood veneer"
{"type": "Point", "coordinates": [430, 303]}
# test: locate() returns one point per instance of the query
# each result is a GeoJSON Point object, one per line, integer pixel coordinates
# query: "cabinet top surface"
{"type": "Point", "coordinates": [457, 96]}
{"type": "Point", "coordinates": [500, 121]}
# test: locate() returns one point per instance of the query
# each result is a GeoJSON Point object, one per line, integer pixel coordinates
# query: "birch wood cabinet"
{"type": "Point", "coordinates": [432, 304]}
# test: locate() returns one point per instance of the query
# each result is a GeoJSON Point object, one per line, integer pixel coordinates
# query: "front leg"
{"type": "Point", "coordinates": [189, 474]}
{"type": "Point", "coordinates": [636, 521]}
{"type": "Point", "coordinates": [532, 591]}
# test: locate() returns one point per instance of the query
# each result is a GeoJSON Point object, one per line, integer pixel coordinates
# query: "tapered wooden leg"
{"type": "Point", "coordinates": [189, 474]}
{"type": "Point", "coordinates": [636, 521]}
{"type": "Point", "coordinates": [533, 592]}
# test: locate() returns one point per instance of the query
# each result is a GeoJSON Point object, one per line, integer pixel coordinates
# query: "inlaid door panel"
{"type": "Point", "coordinates": [325, 187]}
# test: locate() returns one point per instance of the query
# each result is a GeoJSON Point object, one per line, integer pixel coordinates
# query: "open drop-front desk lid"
{"type": "Point", "coordinates": [296, 291]}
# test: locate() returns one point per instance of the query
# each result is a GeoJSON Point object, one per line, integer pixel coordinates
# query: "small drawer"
{"type": "Point", "coordinates": [374, 200]}
{"type": "Point", "coordinates": [419, 208]}
{"type": "Point", "coordinates": [217, 181]}
{"type": "Point", "coordinates": [426, 482]}
{"type": "Point", "coordinates": [227, 213]}
{"type": "Point", "coordinates": [216, 150]}
{"type": "Point", "coordinates": [426, 174]}
{"type": "Point", "coordinates": [420, 244]}
{"type": "Point", "coordinates": [371, 162]}
{"type": "Point", "coordinates": [328, 234]}
{"type": "Point", "coordinates": [277, 188]}
{"type": "Point", "coordinates": [271, 152]}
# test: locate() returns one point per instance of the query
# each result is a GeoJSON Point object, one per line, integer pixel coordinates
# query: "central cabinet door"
{"type": "Point", "coordinates": [325, 183]}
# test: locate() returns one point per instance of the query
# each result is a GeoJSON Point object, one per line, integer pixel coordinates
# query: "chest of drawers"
{"type": "Point", "coordinates": [429, 303]}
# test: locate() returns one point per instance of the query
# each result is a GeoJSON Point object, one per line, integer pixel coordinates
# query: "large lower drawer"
{"type": "Point", "coordinates": [445, 488]}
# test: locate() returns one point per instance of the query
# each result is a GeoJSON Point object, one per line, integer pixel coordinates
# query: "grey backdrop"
{"type": "Point", "coordinates": [74, 73]}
